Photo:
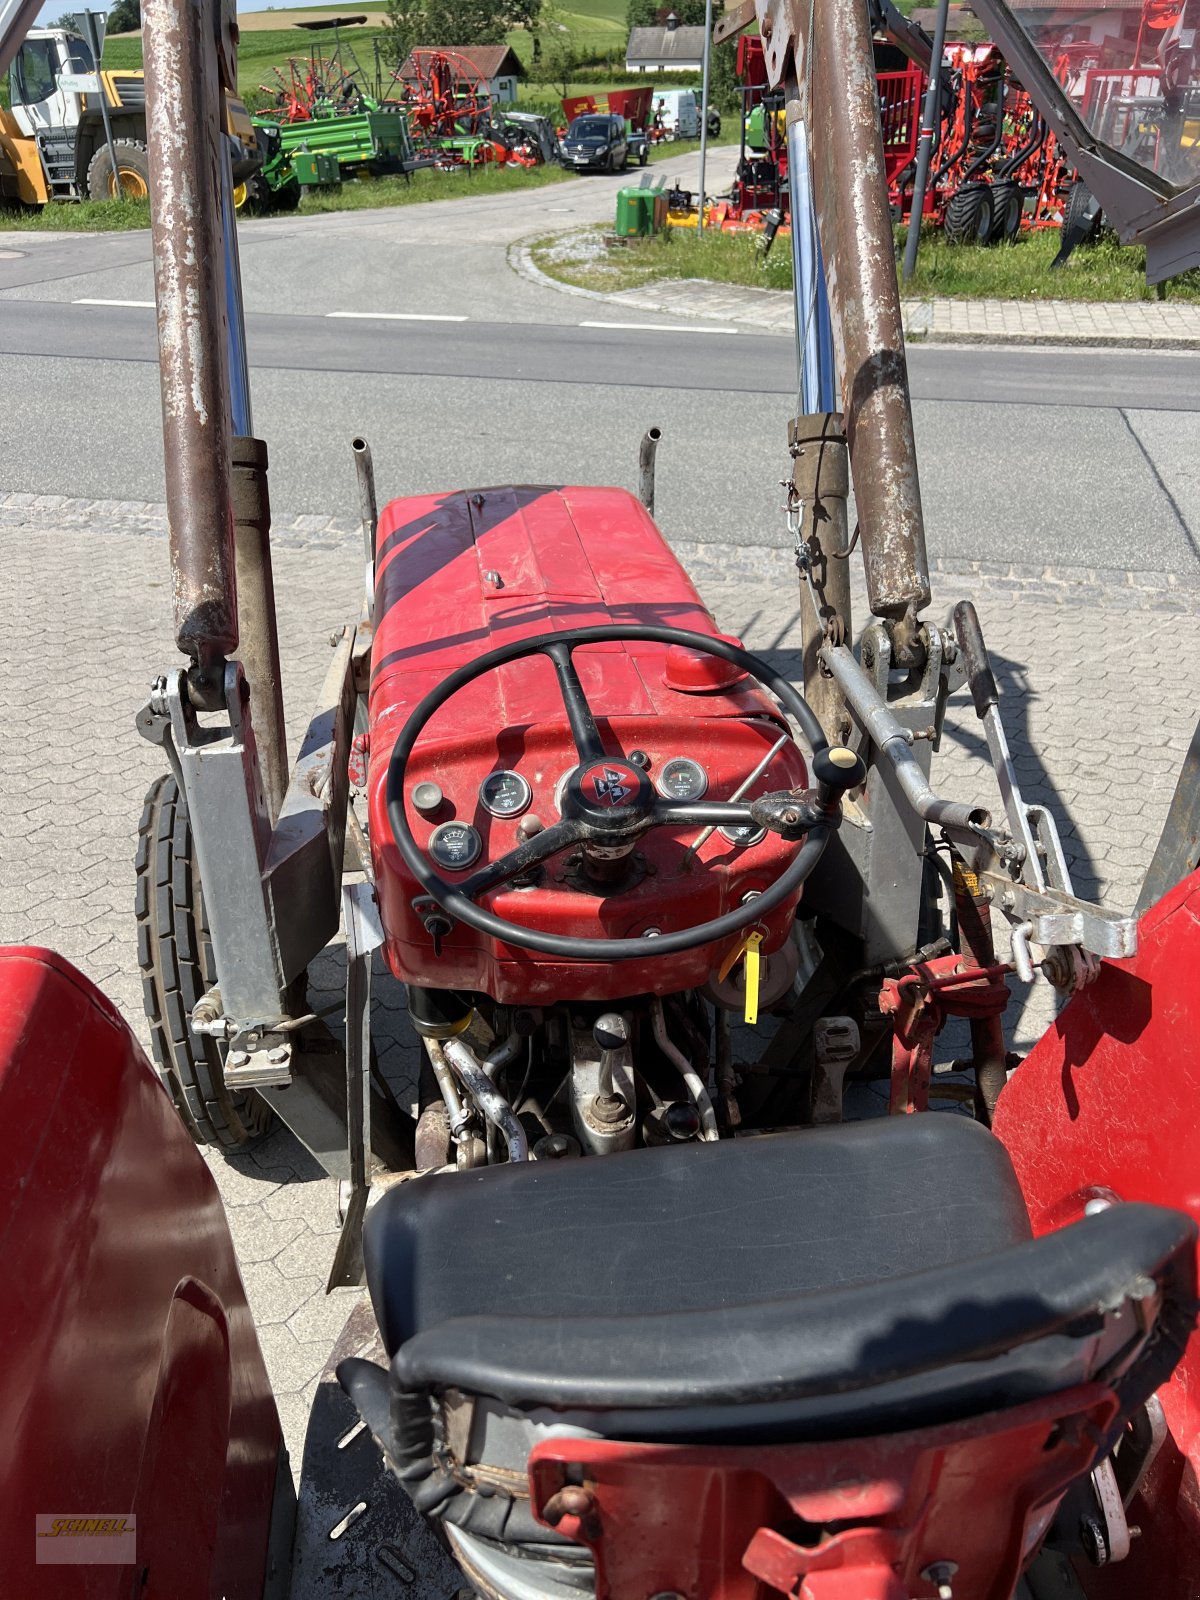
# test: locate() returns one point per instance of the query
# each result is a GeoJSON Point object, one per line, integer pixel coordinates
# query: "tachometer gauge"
{"type": "Point", "coordinates": [505, 794]}
{"type": "Point", "coordinates": [682, 779]}
{"type": "Point", "coordinates": [454, 845]}
{"type": "Point", "coordinates": [744, 834]}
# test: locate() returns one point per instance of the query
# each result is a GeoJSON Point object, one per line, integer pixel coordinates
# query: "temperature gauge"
{"type": "Point", "coordinates": [681, 779]}
{"type": "Point", "coordinates": [505, 794]}
{"type": "Point", "coordinates": [454, 845]}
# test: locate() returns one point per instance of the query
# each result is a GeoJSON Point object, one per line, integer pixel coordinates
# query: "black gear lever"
{"type": "Point", "coordinates": [837, 770]}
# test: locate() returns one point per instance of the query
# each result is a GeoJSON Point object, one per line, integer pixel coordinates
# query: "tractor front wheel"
{"type": "Point", "coordinates": [969, 215]}
{"type": "Point", "coordinates": [176, 961]}
{"type": "Point", "coordinates": [131, 181]}
{"type": "Point", "coordinates": [253, 197]}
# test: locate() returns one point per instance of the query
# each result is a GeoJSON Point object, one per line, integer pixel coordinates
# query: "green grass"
{"type": "Point", "coordinates": [112, 216]}
{"type": "Point", "coordinates": [87, 216]}
{"type": "Point", "coordinates": [585, 259]}
{"type": "Point", "coordinates": [423, 186]}
{"type": "Point", "coordinates": [260, 54]}
{"type": "Point", "coordinates": [1105, 271]}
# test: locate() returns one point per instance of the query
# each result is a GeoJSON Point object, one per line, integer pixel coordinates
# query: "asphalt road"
{"type": "Point", "coordinates": [1080, 458]}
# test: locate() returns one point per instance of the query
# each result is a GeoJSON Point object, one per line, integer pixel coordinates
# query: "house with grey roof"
{"type": "Point", "coordinates": [666, 49]}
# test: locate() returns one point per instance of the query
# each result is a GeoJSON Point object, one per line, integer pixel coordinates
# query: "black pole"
{"type": "Point", "coordinates": [93, 39]}
{"type": "Point", "coordinates": [931, 121]}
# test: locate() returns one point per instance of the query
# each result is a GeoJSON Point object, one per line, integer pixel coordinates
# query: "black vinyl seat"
{"type": "Point", "coordinates": [690, 1228]}
{"type": "Point", "coordinates": [804, 1284]}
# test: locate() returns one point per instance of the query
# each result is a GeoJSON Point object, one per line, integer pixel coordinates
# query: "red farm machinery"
{"type": "Point", "coordinates": [998, 165]}
{"type": "Point", "coordinates": [649, 1315]}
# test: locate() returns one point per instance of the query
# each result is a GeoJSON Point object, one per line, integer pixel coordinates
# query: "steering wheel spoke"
{"type": "Point", "coordinates": [528, 854]}
{"type": "Point", "coordinates": [701, 814]}
{"type": "Point", "coordinates": [579, 713]}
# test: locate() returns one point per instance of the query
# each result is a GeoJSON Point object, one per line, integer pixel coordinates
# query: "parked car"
{"type": "Point", "coordinates": [596, 142]}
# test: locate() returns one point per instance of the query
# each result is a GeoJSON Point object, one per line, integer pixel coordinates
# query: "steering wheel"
{"type": "Point", "coordinates": [609, 802]}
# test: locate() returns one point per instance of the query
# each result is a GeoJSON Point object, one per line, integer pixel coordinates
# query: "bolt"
{"type": "Point", "coordinates": [238, 1058]}
{"type": "Point", "coordinates": [1008, 899]}
{"type": "Point", "coordinates": [940, 1574]}
{"type": "Point", "coordinates": [571, 1501]}
{"type": "Point", "coordinates": [279, 1056]}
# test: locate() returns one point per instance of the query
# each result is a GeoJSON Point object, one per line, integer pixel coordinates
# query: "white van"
{"type": "Point", "coordinates": [679, 110]}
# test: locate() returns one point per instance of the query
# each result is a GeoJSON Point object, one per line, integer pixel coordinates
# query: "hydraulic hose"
{"type": "Point", "coordinates": [474, 1079]}
{"type": "Point", "coordinates": [700, 1098]}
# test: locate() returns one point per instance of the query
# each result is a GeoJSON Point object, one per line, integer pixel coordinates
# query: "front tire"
{"type": "Point", "coordinates": [176, 961]}
{"type": "Point", "coordinates": [132, 178]}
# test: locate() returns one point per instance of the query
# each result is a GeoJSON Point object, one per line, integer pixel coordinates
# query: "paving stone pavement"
{"type": "Point", "coordinates": [1095, 670]}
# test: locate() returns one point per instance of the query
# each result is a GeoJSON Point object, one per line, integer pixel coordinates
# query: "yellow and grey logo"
{"type": "Point", "coordinates": [86, 1540]}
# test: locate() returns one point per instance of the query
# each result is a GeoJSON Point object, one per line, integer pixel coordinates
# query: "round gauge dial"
{"type": "Point", "coordinates": [454, 845]}
{"type": "Point", "coordinates": [682, 779]}
{"type": "Point", "coordinates": [744, 834]}
{"type": "Point", "coordinates": [505, 794]}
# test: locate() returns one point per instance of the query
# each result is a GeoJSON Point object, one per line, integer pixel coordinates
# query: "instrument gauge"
{"type": "Point", "coordinates": [505, 794]}
{"type": "Point", "coordinates": [682, 779]}
{"type": "Point", "coordinates": [454, 845]}
{"type": "Point", "coordinates": [744, 834]}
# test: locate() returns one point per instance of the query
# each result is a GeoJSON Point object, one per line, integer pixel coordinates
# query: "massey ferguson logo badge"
{"type": "Point", "coordinates": [611, 786]}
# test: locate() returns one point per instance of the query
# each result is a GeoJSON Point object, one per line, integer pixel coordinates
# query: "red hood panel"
{"type": "Point", "coordinates": [460, 574]}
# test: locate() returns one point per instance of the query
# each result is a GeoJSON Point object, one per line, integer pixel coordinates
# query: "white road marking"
{"type": "Point", "coordinates": [144, 305]}
{"type": "Point", "coordinates": [658, 327]}
{"type": "Point", "coordinates": [396, 316]}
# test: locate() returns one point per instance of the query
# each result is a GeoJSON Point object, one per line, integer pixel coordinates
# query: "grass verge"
{"type": "Point", "coordinates": [1105, 271]}
{"type": "Point", "coordinates": [117, 216]}
{"type": "Point", "coordinates": [590, 258]}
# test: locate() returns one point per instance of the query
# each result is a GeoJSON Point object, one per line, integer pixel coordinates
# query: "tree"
{"type": "Point", "coordinates": [651, 14]}
{"type": "Point", "coordinates": [124, 17]}
{"type": "Point", "coordinates": [404, 30]}
{"type": "Point", "coordinates": [554, 49]}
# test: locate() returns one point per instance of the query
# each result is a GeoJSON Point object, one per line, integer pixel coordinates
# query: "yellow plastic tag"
{"type": "Point", "coordinates": [753, 944]}
{"type": "Point", "coordinates": [732, 959]}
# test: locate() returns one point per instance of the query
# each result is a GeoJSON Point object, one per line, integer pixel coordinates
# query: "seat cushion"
{"type": "Point", "coordinates": [691, 1228]}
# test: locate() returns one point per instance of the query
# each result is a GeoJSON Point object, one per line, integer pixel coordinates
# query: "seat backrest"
{"type": "Point", "coordinates": [1110, 1299]}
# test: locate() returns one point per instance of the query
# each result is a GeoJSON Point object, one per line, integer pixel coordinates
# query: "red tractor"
{"type": "Point", "coordinates": [651, 1313]}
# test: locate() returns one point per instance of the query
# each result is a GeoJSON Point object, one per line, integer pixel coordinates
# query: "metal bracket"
{"type": "Point", "coordinates": [364, 935]}
{"type": "Point", "coordinates": [1061, 919]}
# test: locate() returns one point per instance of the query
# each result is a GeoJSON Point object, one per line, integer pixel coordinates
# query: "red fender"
{"type": "Point", "coordinates": [1107, 1105]}
{"type": "Point", "coordinates": [133, 1382]}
